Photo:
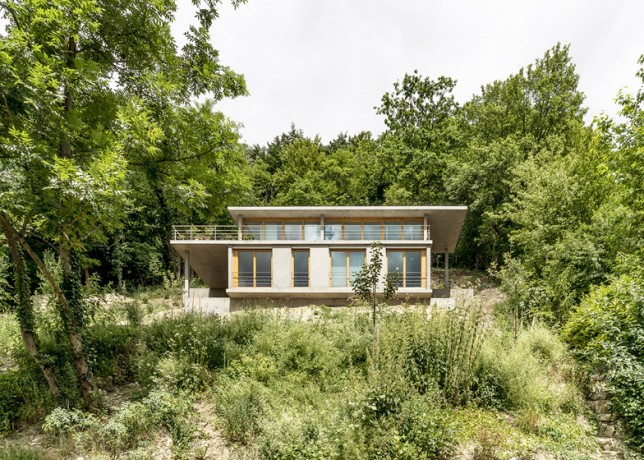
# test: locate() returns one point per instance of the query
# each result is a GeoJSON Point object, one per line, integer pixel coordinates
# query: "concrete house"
{"type": "Point", "coordinates": [309, 255]}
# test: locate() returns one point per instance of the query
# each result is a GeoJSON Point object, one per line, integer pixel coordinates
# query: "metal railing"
{"type": "Point", "coordinates": [331, 233]}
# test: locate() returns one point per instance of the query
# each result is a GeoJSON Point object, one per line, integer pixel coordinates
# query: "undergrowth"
{"type": "Point", "coordinates": [323, 388]}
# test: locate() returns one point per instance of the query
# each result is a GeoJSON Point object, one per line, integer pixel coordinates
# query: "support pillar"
{"type": "Point", "coordinates": [446, 269]}
{"type": "Point", "coordinates": [321, 228]}
{"type": "Point", "coordinates": [425, 232]}
{"type": "Point", "coordinates": [186, 273]}
{"type": "Point", "coordinates": [239, 228]}
{"type": "Point", "coordinates": [428, 269]}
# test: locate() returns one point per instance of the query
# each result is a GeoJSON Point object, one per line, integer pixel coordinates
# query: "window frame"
{"type": "Point", "coordinates": [236, 267]}
{"type": "Point", "coordinates": [347, 265]}
{"type": "Point", "coordinates": [308, 270]}
{"type": "Point", "coordinates": [423, 266]}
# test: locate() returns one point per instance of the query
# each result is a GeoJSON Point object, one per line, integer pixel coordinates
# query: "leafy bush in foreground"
{"type": "Point", "coordinates": [607, 330]}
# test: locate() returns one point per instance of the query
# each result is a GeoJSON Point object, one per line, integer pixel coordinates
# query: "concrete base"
{"type": "Point", "coordinates": [200, 301]}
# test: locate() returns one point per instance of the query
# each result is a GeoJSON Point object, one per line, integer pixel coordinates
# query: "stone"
{"type": "Point", "coordinates": [605, 430]}
{"type": "Point", "coordinates": [606, 417]}
{"type": "Point", "coordinates": [599, 395]}
{"type": "Point", "coordinates": [600, 407]}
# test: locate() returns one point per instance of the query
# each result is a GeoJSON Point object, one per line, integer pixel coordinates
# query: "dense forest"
{"type": "Point", "coordinates": [110, 134]}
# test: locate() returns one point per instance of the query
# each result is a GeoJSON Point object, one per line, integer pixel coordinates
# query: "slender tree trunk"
{"type": "Point", "coordinates": [72, 327]}
{"type": "Point", "coordinates": [25, 309]}
{"type": "Point", "coordinates": [71, 313]}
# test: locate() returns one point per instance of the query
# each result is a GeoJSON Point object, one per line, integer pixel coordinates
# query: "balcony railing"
{"type": "Point", "coordinates": [368, 232]}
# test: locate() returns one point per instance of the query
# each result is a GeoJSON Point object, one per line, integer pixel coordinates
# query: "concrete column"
{"type": "Point", "coordinates": [428, 269]}
{"type": "Point", "coordinates": [446, 269]}
{"type": "Point", "coordinates": [186, 273]}
{"type": "Point", "coordinates": [240, 220]}
{"type": "Point", "coordinates": [425, 232]}
{"type": "Point", "coordinates": [230, 267]}
{"type": "Point", "coordinates": [322, 228]}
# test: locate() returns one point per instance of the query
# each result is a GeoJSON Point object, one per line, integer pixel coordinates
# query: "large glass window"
{"type": "Point", "coordinates": [333, 231]}
{"type": "Point", "coordinates": [413, 231]}
{"type": "Point", "coordinates": [409, 266]}
{"type": "Point", "coordinates": [245, 269]}
{"type": "Point", "coordinates": [372, 232]}
{"type": "Point", "coordinates": [393, 230]}
{"type": "Point", "coordinates": [253, 231]}
{"type": "Point", "coordinates": [273, 231]}
{"type": "Point", "coordinates": [311, 232]}
{"type": "Point", "coordinates": [300, 268]}
{"type": "Point", "coordinates": [293, 231]}
{"type": "Point", "coordinates": [344, 266]}
{"type": "Point", "coordinates": [252, 268]}
{"type": "Point", "coordinates": [352, 231]}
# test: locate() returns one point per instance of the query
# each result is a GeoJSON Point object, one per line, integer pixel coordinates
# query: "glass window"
{"type": "Point", "coordinates": [395, 264]}
{"type": "Point", "coordinates": [338, 269]}
{"type": "Point", "coordinates": [263, 268]}
{"type": "Point", "coordinates": [245, 269]}
{"type": "Point", "coordinates": [253, 231]}
{"type": "Point", "coordinates": [352, 231]}
{"type": "Point", "coordinates": [413, 269]}
{"type": "Point", "coordinates": [408, 265]}
{"type": "Point", "coordinates": [344, 266]}
{"type": "Point", "coordinates": [413, 231]}
{"type": "Point", "coordinates": [293, 231]}
{"type": "Point", "coordinates": [333, 231]}
{"type": "Point", "coordinates": [372, 232]}
{"type": "Point", "coordinates": [393, 231]}
{"type": "Point", "coordinates": [356, 263]}
{"type": "Point", "coordinates": [272, 231]}
{"type": "Point", "coordinates": [300, 268]}
{"type": "Point", "coordinates": [311, 232]}
{"type": "Point", "coordinates": [253, 269]}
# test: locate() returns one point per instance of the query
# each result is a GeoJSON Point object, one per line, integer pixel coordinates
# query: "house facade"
{"type": "Point", "coordinates": [309, 255]}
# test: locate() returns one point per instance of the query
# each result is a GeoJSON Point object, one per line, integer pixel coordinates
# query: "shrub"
{"type": "Point", "coordinates": [514, 374]}
{"type": "Point", "coordinates": [240, 403]}
{"type": "Point", "coordinates": [19, 453]}
{"type": "Point", "coordinates": [65, 421]}
{"type": "Point", "coordinates": [134, 420]}
{"type": "Point", "coordinates": [607, 331]}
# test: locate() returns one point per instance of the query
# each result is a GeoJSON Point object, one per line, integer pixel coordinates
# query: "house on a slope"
{"type": "Point", "coordinates": [309, 255]}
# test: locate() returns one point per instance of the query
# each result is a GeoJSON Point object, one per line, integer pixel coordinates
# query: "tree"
{"type": "Point", "coordinates": [367, 282]}
{"type": "Point", "coordinates": [69, 73]}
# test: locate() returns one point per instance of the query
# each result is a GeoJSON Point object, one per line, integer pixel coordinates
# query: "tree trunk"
{"type": "Point", "coordinates": [25, 309]}
{"type": "Point", "coordinates": [73, 326]}
{"type": "Point", "coordinates": [71, 313]}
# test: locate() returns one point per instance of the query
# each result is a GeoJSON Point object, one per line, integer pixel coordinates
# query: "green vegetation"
{"type": "Point", "coordinates": [106, 141]}
{"type": "Point", "coordinates": [323, 388]}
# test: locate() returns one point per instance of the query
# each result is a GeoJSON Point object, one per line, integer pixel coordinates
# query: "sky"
{"type": "Point", "coordinates": [324, 65]}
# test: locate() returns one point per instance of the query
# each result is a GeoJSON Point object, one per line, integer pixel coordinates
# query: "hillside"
{"type": "Point", "coordinates": [312, 384]}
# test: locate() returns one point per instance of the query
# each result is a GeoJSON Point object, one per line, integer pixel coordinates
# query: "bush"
{"type": "Point", "coordinates": [607, 331]}
{"type": "Point", "coordinates": [240, 403]}
{"type": "Point", "coordinates": [66, 421]}
{"type": "Point", "coordinates": [514, 375]}
{"type": "Point", "coordinates": [19, 453]}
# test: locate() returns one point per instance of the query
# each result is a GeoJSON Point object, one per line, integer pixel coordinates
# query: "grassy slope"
{"type": "Point", "coordinates": [261, 384]}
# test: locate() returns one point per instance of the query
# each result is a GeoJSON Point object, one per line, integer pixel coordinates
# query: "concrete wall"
{"type": "Point", "coordinates": [281, 269]}
{"type": "Point", "coordinates": [319, 268]}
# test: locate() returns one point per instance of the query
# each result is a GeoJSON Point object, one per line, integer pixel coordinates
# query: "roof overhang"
{"type": "Point", "coordinates": [445, 221]}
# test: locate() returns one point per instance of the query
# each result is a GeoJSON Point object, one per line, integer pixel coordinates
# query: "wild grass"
{"type": "Point", "coordinates": [317, 388]}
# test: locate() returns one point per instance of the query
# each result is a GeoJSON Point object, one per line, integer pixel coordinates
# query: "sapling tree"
{"type": "Point", "coordinates": [366, 282]}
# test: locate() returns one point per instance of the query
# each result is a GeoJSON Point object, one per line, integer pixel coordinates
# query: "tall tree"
{"type": "Point", "coordinates": [69, 71]}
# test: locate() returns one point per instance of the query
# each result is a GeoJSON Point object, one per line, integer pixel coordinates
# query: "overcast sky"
{"type": "Point", "coordinates": [324, 65]}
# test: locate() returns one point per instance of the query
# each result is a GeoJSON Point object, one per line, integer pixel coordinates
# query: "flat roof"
{"type": "Point", "coordinates": [341, 211]}
{"type": "Point", "coordinates": [445, 221]}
